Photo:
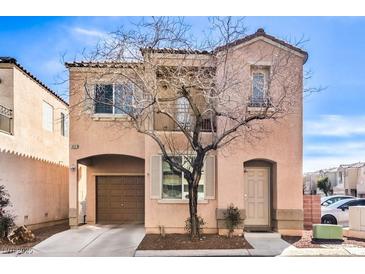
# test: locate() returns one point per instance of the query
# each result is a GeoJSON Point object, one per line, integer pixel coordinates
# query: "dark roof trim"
{"type": "Point", "coordinates": [10, 60]}
{"type": "Point", "coordinates": [261, 33]}
{"type": "Point", "coordinates": [102, 64]}
{"type": "Point", "coordinates": [175, 51]}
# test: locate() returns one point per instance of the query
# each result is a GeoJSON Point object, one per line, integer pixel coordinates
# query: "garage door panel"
{"type": "Point", "coordinates": [120, 199]}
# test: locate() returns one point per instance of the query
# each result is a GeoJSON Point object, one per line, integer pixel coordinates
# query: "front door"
{"type": "Point", "coordinates": [256, 196]}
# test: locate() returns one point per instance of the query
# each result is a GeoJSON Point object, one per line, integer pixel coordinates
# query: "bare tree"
{"type": "Point", "coordinates": [171, 82]}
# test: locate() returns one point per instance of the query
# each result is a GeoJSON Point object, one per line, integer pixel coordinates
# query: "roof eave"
{"type": "Point", "coordinates": [14, 62]}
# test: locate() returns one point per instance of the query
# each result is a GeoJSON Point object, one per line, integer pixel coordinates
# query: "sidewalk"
{"type": "Point", "coordinates": [264, 244]}
{"type": "Point", "coordinates": [318, 252]}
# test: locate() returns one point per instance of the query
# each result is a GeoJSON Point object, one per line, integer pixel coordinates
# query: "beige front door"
{"type": "Point", "coordinates": [256, 196]}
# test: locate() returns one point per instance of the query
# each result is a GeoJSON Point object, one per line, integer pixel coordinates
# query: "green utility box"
{"type": "Point", "coordinates": [327, 232]}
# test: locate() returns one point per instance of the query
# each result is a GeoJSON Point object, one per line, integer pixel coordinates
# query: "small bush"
{"type": "Point", "coordinates": [6, 219]}
{"type": "Point", "coordinates": [232, 218]}
{"type": "Point", "coordinates": [201, 224]}
{"type": "Point", "coordinates": [6, 224]}
{"type": "Point", "coordinates": [325, 185]}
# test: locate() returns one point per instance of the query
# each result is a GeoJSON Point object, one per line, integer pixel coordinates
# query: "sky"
{"type": "Point", "coordinates": [334, 119]}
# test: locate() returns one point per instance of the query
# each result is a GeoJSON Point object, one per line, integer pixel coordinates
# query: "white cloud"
{"type": "Point", "coordinates": [318, 162]}
{"type": "Point", "coordinates": [335, 125]}
{"type": "Point", "coordinates": [336, 148]}
{"type": "Point", "coordinates": [343, 142]}
{"type": "Point", "coordinates": [89, 32]}
{"type": "Point", "coordinates": [332, 154]}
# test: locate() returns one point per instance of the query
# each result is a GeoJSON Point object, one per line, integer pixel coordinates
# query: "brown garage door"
{"type": "Point", "coordinates": [119, 199]}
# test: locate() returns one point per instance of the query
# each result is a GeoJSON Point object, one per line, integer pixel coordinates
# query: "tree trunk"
{"type": "Point", "coordinates": [193, 210]}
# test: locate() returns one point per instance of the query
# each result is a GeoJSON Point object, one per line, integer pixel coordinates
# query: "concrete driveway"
{"type": "Point", "coordinates": [92, 240]}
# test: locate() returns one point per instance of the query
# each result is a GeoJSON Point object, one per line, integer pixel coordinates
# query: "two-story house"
{"type": "Point", "coordinates": [310, 180]}
{"type": "Point", "coordinates": [33, 147]}
{"type": "Point", "coordinates": [349, 178]}
{"type": "Point", "coordinates": [117, 174]}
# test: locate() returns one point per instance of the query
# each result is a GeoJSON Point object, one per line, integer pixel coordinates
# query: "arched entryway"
{"type": "Point", "coordinates": [259, 181]}
{"type": "Point", "coordinates": [115, 189]}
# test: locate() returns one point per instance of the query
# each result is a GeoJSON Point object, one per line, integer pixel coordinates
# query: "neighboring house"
{"type": "Point", "coordinates": [350, 178]}
{"type": "Point", "coordinates": [117, 175]}
{"type": "Point", "coordinates": [340, 187]}
{"type": "Point", "coordinates": [360, 186]}
{"type": "Point", "coordinates": [310, 180]}
{"type": "Point", "coordinates": [347, 179]}
{"type": "Point", "coordinates": [33, 147]}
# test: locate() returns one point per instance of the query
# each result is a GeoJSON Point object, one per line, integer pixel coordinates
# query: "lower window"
{"type": "Point", "coordinates": [174, 186]}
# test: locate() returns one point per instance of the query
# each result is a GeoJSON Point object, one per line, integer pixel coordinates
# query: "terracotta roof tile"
{"type": "Point", "coordinates": [175, 51]}
{"type": "Point", "coordinates": [105, 64]}
{"type": "Point", "coordinates": [10, 60]}
{"type": "Point", "coordinates": [259, 33]}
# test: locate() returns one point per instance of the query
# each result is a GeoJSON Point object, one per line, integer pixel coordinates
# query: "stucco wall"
{"type": "Point", "coordinates": [351, 179]}
{"type": "Point", "coordinates": [281, 143]}
{"type": "Point", "coordinates": [103, 166]}
{"type": "Point", "coordinates": [361, 181]}
{"type": "Point", "coordinates": [38, 189]}
{"type": "Point", "coordinates": [29, 137]}
{"type": "Point", "coordinates": [172, 214]}
{"type": "Point", "coordinates": [33, 161]}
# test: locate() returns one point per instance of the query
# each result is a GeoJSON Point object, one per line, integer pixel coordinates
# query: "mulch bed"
{"type": "Point", "coordinates": [41, 234]}
{"type": "Point", "coordinates": [306, 241]}
{"type": "Point", "coordinates": [183, 241]}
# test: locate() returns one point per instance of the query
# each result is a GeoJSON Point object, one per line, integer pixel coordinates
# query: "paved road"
{"type": "Point", "coordinates": [92, 240]}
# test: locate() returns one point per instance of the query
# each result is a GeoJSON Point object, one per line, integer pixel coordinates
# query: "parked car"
{"type": "Point", "coordinates": [328, 200]}
{"type": "Point", "coordinates": [338, 213]}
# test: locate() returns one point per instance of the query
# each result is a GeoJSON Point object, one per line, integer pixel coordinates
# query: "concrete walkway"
{"type": "Point", "coordinates": [266, 244]}
{"type": "Point", "coordinates": [92, 240]}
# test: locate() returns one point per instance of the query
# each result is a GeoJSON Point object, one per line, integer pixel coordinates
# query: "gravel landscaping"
{"type": "Point", "coordinates": [306, 241]}
{"type": "Point", "coordinates": [183, 242]}
{"type": "Point", "coordinates": [40, 233]}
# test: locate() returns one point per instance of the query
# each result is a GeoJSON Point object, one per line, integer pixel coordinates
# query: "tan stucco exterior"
{"type": "Point", "coordinates": [33, 161]}
{"type": "Point", "coordinates": [281, 147]}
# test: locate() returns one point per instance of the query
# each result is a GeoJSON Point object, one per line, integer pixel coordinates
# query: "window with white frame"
{"type": "Point", "coordinates": [114, 98]}
{"type": "Point", "coordinates": [64, 125]}
{"type": "Point", "coordinates": [182, 111]}
{"type": "Point", "coordinates": [47, 117]}
{"type": "Point", "coordinates": [175, 186]}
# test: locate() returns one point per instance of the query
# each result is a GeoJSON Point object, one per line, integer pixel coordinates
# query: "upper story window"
{"type": "Point", "coordinates": [64, 125]}
{"type": "Point", "coordinates": [6, 120]}
{"type": "Point", "coordinates": [258, 87]}
{"type": "Point", "coordinates": [114, 98]}
{"type": "Point", "coordinates": [183, 115]}
{"type": "Point", "coordinates": [174, 186]}
{"type": "Point", "coordinates": [259, 96]}
{"type": "Point", "coordinates": [47, 116]}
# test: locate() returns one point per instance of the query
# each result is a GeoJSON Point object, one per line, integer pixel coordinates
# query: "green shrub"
{"type": "Point", "coordinates": [6, 224]}
{"type": "Point", "coordinates": [232, 218]}
{"type": "Point", "coordinates": [201, 223]}
{"type": "Point", "coordinates": [6, 219]}
{"type": "Point", "coordinates": [325, 185]}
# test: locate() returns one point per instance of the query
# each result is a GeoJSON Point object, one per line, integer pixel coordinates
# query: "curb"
{"type": "Point", "coordinates": [207, 253]}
